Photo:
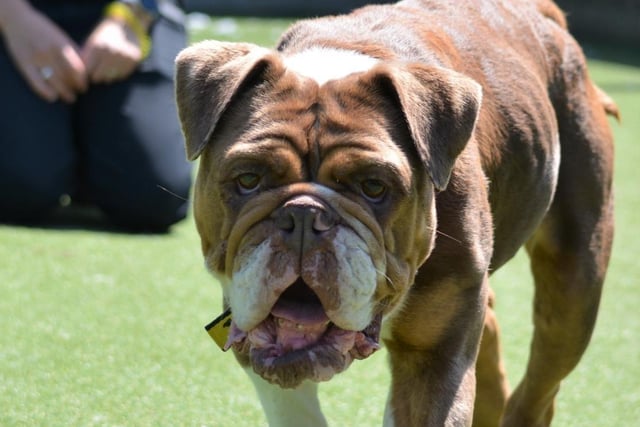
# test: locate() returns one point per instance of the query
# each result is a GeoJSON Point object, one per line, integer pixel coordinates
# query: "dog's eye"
{"type": "Point", "coordinates": [373, 189]}
{"type": "Point", "coordinates": [248, 182]}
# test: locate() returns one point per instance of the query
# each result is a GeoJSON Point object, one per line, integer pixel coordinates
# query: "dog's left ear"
{"type": "Point", "coordinates": [441, 108]}
{"type": "Point", "coordinates": [207, 76]}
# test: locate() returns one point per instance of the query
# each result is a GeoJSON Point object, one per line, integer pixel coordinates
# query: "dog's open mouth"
{"type": "Point", "coordinates": [298, 341]}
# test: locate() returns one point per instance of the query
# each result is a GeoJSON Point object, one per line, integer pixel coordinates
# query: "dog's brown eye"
{"type": "Point", "coordinates": [248, 182]}
{"type": "Point", "coordinates": [373, 189]}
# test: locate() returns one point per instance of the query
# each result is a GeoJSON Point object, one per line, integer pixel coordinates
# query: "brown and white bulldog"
{"type": "Point", "coordinates": [362, 181]}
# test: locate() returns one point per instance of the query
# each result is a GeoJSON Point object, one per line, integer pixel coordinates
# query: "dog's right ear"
{"type": "Point", "coordinates": [208, 75]}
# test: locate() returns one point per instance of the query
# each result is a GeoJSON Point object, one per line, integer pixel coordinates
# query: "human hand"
{"type": "Point", "coordinates": [111, 52]}
{"type": "Point", "coordinates": [47, 58]}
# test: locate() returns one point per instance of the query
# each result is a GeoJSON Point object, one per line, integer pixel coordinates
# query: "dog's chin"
{"type": "Point", "coordinates": [297, 341]}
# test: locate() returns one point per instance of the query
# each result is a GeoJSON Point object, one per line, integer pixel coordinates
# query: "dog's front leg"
{"type": "Point", "coordinates": [289, 407]}
{"type": "Point", "coordinates": [432, 348]}
{"type": "Point", "coordinates": [424, 400]}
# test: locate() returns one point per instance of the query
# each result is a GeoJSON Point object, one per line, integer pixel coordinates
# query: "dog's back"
{"type": "Point", "coordinates": [525, 60]}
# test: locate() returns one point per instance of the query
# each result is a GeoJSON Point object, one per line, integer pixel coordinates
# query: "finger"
{"type": "Point", "coordinates": [110, 69]}
{"type": "Point", "coordinates": [74, 69]}
{"type": "Point", "coordinates": [89, 59]}
{"type": "Point", "coordinates": [99, 65]}
{"type": "Point", "coordinates": [69, 74]}
{"type": "Point", "coordinates": [103, 71]}
{"type": "Point", "coordinates": [39, 85]}
{"type": "Point", "coordinates": [58, 82]}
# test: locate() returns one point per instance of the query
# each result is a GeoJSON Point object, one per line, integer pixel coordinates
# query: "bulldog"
{"type": "Point", "coordinates": [358, 185]}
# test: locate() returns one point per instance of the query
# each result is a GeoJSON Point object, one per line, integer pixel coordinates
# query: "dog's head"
{"type": "Point", "coordinates": [315, 193]}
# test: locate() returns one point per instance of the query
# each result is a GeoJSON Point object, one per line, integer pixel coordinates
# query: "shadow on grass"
{"type": "Point", "coordinates": [85, 218]}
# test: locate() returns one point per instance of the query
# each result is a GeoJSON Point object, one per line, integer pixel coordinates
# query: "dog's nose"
{"type": "Point", "coordinates": [304, 218]}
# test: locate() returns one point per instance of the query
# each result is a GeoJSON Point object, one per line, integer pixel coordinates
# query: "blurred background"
{"type": "Point", "coordinates": [612, 21]}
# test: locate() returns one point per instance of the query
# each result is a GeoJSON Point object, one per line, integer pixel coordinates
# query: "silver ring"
{"type": "Point", "coordinates": [46, 72]}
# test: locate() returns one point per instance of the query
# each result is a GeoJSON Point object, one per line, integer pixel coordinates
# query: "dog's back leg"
{"type": "Point", "coordinates": [491, 380]}
{"type": "Point", "coordinates": [570, 251]}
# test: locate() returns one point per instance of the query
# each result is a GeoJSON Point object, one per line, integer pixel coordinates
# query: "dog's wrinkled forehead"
{"type": "Point", "coordinates": [437, 108]}
{"type": "Point", "coordinates": [315, 120]}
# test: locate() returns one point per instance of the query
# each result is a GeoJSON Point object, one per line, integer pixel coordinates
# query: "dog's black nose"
{"type": "Point", "coordinates": [304, 218]}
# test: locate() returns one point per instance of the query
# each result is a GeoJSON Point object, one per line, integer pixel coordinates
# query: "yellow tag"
{"type": "Point", "coordinates": [218, 329]}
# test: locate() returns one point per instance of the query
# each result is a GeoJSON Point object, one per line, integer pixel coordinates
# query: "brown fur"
{"type": "Point", "coordinates": [479, 168]}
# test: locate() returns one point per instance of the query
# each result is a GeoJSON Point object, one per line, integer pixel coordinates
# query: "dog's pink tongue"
{"type": "Point", "coordinates": [298, 324]}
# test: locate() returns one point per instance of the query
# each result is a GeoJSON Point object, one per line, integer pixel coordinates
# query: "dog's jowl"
{"type": "Point", "coordinates": [359, 183]}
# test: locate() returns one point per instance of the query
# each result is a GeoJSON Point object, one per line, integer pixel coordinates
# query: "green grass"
{"type": "Point", "coordinates": [106, 329]}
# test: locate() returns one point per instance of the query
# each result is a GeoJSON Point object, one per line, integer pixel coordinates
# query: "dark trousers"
{"type": "Point", "coordinates": [119, 146]}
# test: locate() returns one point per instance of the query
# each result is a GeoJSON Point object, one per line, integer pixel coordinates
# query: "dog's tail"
{"type": "Point", "coordinates": [610, 106]}
{"type": "Point", "coordinates": [550, 10]}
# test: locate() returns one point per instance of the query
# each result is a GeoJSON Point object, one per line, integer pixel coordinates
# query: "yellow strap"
{"type": "Point", "coordinates": [122, 12]}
